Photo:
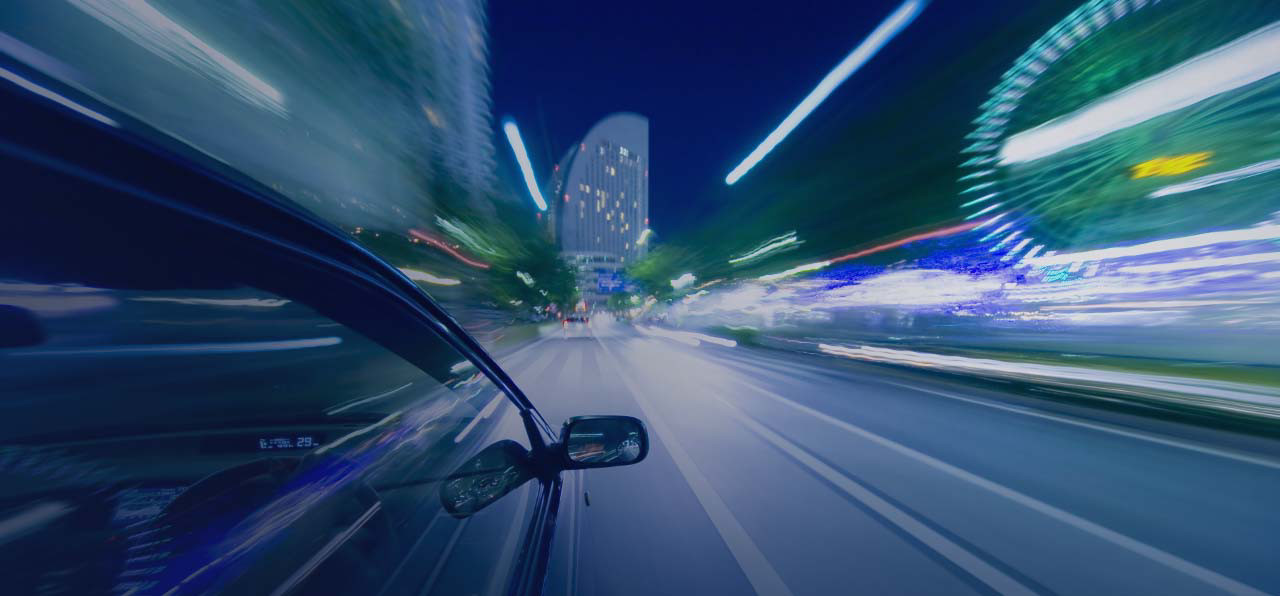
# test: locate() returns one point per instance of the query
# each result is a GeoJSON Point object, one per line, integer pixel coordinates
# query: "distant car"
{"type": "Point", "coordinates": [576, 326]}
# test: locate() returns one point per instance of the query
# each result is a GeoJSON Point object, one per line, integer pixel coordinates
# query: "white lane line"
{"type": "Point", "coordinates": [1224, 453]}
{"type": "Point", "coordinates": [958, 555]}
{"type": "Point", "coordinates": [755, 566]}
{"type": "Point", "coordinates": [1098, 426]}
{"type": "Point", "coordinates": [484, 413]}
{"type": "Point", "coordinates": [1172, 561]}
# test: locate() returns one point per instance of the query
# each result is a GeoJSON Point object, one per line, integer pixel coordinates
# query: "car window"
{"type": "Point", "coordinates": [237, 441]}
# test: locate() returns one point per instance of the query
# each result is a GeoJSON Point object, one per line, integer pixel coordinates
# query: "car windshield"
{"type": "Point", "coordinates": [908, 296]}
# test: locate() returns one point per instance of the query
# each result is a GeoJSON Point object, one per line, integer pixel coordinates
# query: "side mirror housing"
{"type": "Point", "coordinates": [488, 476]}
{"type": "Point", "coordinates": [602, 442]}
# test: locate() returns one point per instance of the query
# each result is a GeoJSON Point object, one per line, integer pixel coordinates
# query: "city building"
{"type": "Point", "coordinates": [600, 196]}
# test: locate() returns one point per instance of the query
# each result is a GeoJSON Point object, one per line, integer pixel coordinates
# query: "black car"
{"type": "Point", "coordinates": [208, 390]}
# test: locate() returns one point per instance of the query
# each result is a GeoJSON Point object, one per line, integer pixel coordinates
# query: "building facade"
{"type": "Point", "coordinates": [600, 192]}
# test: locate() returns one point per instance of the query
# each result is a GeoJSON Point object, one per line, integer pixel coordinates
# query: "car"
{"type": "Point", "coordinates": [576, 326]}
{"type": "Point", "coordinates": [209, 390]}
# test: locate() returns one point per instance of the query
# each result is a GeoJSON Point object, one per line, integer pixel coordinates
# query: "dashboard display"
{"type": "Point", "coordinates": [272, 443]}
{"type": "Point", "coordinates": [297, 440]}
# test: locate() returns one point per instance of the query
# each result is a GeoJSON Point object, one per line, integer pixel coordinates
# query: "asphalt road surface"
{"type": "Point", "coordinates": [785, 474]}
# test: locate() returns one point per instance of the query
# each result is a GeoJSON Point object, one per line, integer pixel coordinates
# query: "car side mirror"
{"type": "Point", "coordinates": [488, 476]}
{"type": "Point", "coordinates": [602, 442]}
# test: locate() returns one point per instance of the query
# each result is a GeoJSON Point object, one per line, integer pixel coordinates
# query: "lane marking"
{"type": "Point", "coordinates": [1098, 426]}
{"type": "Point", "coordinates": [1167, 559]}
{"type": "Point", "coordinates": [1223, 453]}
{"type": "Point", "coordinates": [755, 566]}
{"type": "Point", "coordinates": [958, 555]}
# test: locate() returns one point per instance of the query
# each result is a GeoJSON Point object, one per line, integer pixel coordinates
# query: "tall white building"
{"type": "Point", "coordinates": [601, 195]}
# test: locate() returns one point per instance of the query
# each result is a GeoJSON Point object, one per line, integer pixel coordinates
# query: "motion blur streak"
{"type": "Point", "coordinates": [10, 76]}
{"type": "Point", "coordinates": [1266, 232]}
{"type": "Point", "coordinates": [687, 337]}
{"type": "Point", "coordinates": [442, 245]}
{"type": "Point", "coordinates": [423, 276]}
{"type": "Point", "coordinates": [940, 233]}
{"type": "Point", "coordinates": [151, 29]}
{"type": "Point", "coordinates": [1219, 178]}
{"type": "Point", "coordinates": [895, 23]}
{"type": "Point", "coordinates": [769, 247]}
{"type": "Point", "coordinates": [1239, 63]}
{"type": "Point", "coordinates": [522, 158]}
{"type": "Point", "coordinates": [908, 240]}
{"type": "Point", "coordinates": [252, 302]}
{"type": "Point", "coordinates": [181, 349]}
{"type": "Point", "coordinates": [1071, 374]}
{"type": "Point", "coordinates": [794, 270]}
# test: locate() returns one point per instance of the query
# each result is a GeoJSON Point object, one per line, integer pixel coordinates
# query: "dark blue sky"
{"type": "Point", "coordinates": [715, 77]}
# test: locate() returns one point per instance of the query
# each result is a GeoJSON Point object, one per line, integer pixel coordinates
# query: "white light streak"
{"type": "Point", "coordinates": [522, 158]}
{"type": "Point", "coordinates": [55, 97]}
{"type": "Point", "coordinates": [1267, 232]}
{"type": "Point", "coordinates": [773, 245]}
{"type": "Point", "coordinates": [1266, 257]}
{"type": "Point", "coordinates": [895, 23]}
{"type": "Point", "coordinates": [423, 276]}
{"type": "Point", "coordinates": [794, 270]}
{"type": "Point", "coordinates": [1261, 167]}
{"type": "Point", "coordinates": [163, 37]}
{"type": "Point", "coordinates": [250, 302]}
{"type": "Point", "coordinates": [188, 349]}
{"type": "Point", "coordinates": [1246, 60]}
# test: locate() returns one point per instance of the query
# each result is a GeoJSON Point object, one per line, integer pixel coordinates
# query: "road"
{"type": "Point", "coordinates": [785, 474]}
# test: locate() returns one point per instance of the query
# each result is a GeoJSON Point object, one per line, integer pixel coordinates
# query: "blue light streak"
{"type": "Point", "coordinates": [522, 157]}
{"type": "Point", "coordinates": [887, 30]}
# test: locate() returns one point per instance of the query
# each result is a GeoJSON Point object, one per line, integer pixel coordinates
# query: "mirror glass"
{"type": "Point", "coordinates": [497, 470]}
{"type": "Point", "coordinates": [605, 440]}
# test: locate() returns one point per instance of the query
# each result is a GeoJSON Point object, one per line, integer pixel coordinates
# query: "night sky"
{"type": "Point", "coordinates": [715, 77]}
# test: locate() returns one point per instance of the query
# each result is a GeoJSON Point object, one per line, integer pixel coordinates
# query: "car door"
{"type": "Point", "coordinates": [208, 391]}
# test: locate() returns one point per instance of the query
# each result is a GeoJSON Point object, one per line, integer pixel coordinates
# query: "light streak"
{"type": "Point", "coordinates": [890, 27]}
{"type": "Point", "coordinates": [55, 97]}
{"type": "Point", "coordinates": [1171, 166]}
{"type": "Point", "coordinates": [794, 270]}
{"type": "Point", "coordinates": [254, 302]}
{"type": "Point", "coordinates": [162, 36]}
{"type": "Point", "coordinates": [1248, 59]}
{"type": "Point", "coordinates": [188, 349]}
{"type": "Point", "coordinates": [1265, 257]}
{"type": "Point", "coordinates": [522, 158]}
{"type": "Point", "coordinates": [442, 245]}
{"type": "Point", "coordinates": [773, 245]}
{"type": "Point", "coordinates": [909, 239]}
{"type": "Point", "coordinates": [1261, 167]}
{"type": "Point", "coordinates": [430, 278]}
{"type": "Point", "coordinates": [939, 233]}
{"type": "Point", "coordinates": [1267, 232]}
